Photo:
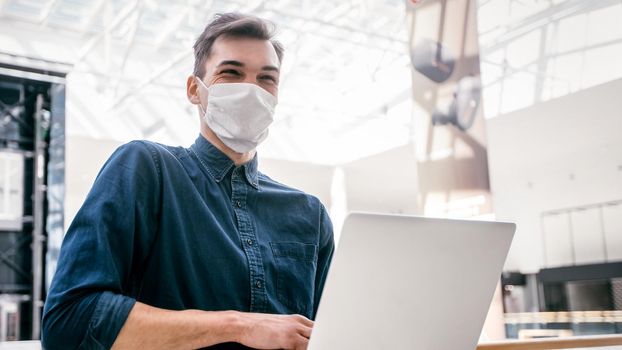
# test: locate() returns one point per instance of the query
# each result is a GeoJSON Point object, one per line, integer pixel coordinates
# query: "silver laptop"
{"type": "Point", "coordinates": [403, 282]}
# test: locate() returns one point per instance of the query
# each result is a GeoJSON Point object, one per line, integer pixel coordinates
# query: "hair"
{"type": "Point", "coordinates": [232, 25]}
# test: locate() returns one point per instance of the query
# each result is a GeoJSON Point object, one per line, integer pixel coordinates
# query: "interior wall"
{"type": "Point", "coordinates": [558, 154]}
{"type": "Point", "coordinates": [311, 178]}
{"type": "Point", "coordinates": [384, 183]}
{"type": "Point", "coordinates": [84, 158]}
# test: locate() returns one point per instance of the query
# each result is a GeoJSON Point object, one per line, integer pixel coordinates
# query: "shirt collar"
{"type": "Point", "coordinates": [218, 164]}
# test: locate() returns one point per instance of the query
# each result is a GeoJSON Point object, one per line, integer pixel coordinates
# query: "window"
{"type": "Point", "coordinates": [11, 190]}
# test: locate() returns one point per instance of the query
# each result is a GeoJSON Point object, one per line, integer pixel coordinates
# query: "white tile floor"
{"type": "Point", "coordinates": [21, 345]}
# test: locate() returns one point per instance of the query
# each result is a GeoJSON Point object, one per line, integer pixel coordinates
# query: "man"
{"type": "Point", "coordinates": [182, 248]}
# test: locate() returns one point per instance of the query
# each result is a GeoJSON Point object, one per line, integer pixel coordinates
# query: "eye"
{"type": "Point", "coordinates": [268, 78]}
{"type": "Point", "coordinates": [230, 72]}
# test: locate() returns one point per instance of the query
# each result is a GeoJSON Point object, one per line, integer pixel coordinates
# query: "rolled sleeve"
{"type": "Point", "coordinates": [94, 287]}
{"type": "Point", "coordinates": [111, 311]}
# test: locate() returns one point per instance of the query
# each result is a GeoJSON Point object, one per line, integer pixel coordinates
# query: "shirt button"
{"type": "Point", "coordinates": [249, 241]}
{"type": "Point", "coordinates": [258, 283]}
{"type": "Point", "coordinates": [238, 204]}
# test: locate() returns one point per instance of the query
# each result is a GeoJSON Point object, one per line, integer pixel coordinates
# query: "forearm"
{"type": "Point", "coordinates": [149, 327]}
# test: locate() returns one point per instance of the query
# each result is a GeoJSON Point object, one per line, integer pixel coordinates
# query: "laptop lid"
{"type": "Point", "coordinates": [404, 282]}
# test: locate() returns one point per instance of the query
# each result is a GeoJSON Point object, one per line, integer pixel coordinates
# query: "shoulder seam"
{"type": "Point", "coordinates": [153, 153]}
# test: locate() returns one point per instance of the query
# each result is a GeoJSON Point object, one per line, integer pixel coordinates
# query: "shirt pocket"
{"type": "Point", "coordinates": [295, 275]}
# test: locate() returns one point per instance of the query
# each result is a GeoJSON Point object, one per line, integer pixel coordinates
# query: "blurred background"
{"type": "Point", "coordinates": [489, 109]}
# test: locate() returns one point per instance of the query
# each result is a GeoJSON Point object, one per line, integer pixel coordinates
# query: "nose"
{"type": "Point", "coordinates": [250, 79]}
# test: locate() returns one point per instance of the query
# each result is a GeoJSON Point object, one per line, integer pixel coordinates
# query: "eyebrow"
{"type": "Point", "coordinates": [240, 64]}
{"type": "Point", "coordinates": [231, 63]}
{"type": "Point", "coordinates": [272, 68]}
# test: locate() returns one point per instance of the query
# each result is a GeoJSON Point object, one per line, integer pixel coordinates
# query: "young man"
{"type": "Point", "coordinates": [183, 248]}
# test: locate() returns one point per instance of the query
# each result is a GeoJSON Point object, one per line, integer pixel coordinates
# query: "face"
{"type": "Point", "coordinates": [237, 60]}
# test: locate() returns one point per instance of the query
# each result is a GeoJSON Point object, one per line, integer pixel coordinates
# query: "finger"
{"type": "Point", "coordinates": [305, 321]}
{"type": "Point", "coordinates": [305, 331]}
{"type": "Point", "coordinates": [302, 343]}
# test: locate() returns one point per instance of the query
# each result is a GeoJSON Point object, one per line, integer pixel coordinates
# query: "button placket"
{"type": "Point", "coordinates": [246, 233]}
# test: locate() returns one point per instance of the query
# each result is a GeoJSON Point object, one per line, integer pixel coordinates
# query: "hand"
{"type": "Point", "coordinates": [267, 331]}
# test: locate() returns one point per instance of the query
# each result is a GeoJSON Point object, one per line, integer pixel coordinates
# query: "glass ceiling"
{"type": "Point", "coordinates": [346, 84]}
{"type": "Point", "coordinates": [345, 87]}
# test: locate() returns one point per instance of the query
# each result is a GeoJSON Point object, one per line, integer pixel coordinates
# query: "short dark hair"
{"type": "Point", "coordinates": [234, 25]}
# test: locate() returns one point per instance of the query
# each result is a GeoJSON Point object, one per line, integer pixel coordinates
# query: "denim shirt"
{"type": "Point", "coordinates": [184, 228]}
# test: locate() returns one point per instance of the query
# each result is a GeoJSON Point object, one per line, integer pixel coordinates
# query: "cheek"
{"type": "Point", "coordinates": [274, 90]}
{"type": "Point", "coordinates": [224, 80]}
{"type": "Point", "coordinates": [271, 88]}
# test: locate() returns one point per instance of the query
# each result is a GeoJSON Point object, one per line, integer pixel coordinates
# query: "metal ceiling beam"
{"type": "Point", "coordinates": [171, 28]}
{"type": "Point", "coordinates": [156, 73]}
{"type": "Point", "coordinates": [47, 9]}
{"type": "Point", "coordinates": [338, 26]}
{"type": "Point", "coordinates": [543, 74]}
{"type": "Point", "coordinates": [129, 47]}
{"type": "Point", "coordinates": [338, 11]}
{"type": "Point", "coordinates": [169, 65]}
{"type": "Point", "coordinates": [543, 18]}
{"type": "Point", "coordinates": [123, 79]}
{"type": "Point", "coordinates": [123, 14]}
{"type": "Point", "coordinates": [96, 10]}
{"type": "Point", "coordinates": [341, 39]}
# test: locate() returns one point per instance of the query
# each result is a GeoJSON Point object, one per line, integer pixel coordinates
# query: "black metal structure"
{"type": "Point", "coordinates": [31, 124]}
{"type": "Point", "coordinates": [579, 288]}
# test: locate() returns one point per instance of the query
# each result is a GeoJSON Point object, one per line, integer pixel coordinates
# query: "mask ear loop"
{"type": "Point", "coordinates": [206, 88]}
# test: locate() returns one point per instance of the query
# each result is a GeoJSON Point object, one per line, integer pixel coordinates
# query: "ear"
{"type": "Point", "coordinates": [192, 90]}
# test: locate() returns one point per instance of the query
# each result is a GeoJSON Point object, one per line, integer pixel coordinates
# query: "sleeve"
{"type": "Point", "coordinates": [325, 255]}
{"type": "Point", "coordinates": [88, 300]}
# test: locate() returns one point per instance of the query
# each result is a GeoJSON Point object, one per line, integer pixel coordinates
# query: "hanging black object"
{"type": "Point", "coordinates": [463, 108]}
{"type": "Point", "coordinates": [433, 60]}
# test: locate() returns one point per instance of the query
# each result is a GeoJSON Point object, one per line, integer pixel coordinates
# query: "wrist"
{"type": "Point", "coordinates": [216, 327]}
{"type": "Point", "coordinates": [234, 325]}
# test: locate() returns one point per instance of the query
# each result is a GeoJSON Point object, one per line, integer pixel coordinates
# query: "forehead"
{"type": "Point", "coordinates": [250, 51]}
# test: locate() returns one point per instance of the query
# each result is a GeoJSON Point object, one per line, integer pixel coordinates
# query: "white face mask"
{"type": "Point", "coordinates": [239, 114]}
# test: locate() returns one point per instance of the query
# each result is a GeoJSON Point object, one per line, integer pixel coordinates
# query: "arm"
{"type": "Point", "coordinates": [152, 328]}
{"type": "Point", "coordinates": [325, 255]}
{"type": "Point", "coordinates": [91, 292]}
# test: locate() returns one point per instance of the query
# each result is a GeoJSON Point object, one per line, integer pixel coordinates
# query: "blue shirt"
{"type": "Point", "coordinates": [184, 228]}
